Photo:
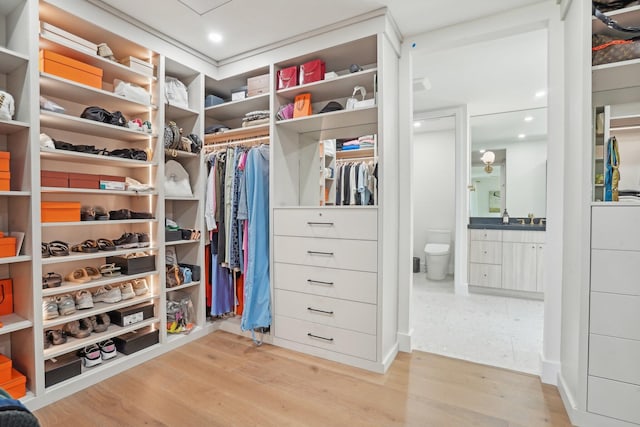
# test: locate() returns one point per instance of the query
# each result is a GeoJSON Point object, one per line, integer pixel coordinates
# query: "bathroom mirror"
{"type": "Point", "coordinates": [517, 178]}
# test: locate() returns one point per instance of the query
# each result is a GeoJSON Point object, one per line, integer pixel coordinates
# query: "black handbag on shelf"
{"type": "Point", "coordinates": [99, 114]}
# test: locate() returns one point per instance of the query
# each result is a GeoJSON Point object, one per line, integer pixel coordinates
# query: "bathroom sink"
{"type": "Point", "coordinates": [511, 226]}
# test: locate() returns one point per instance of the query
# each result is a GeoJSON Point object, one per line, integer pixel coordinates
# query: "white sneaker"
{"type": "Point", "coordinates": [140, 286]}
{"type": "Point", "coordinates": [84, 300]}
{"type": "Point", "coordinates": [107, 294]}
{"type": "Point", "coordinates": [127, 290]}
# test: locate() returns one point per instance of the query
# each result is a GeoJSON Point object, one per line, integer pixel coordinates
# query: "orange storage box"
{"type": "Point", "coordinates": [54, 179]}
{"type": "Point", "coordinates": [71, 69]}
{"type": "Point", "coordinates": [60, 211]}
{"type": "Point", "coordinates": [7, 247]}
{"type": "Point", "coordinates": [16, 386]}
{"type": "Point", "coordinates": [5, 181]}
{"type": "Point", "coordinates": [84, 180]}
{"type": "Point", "coordinates": [6, 300]}
{"type": "Point", "coordinates": [5, 157]}
{"type": "Point", "coordinates": [5, 368]}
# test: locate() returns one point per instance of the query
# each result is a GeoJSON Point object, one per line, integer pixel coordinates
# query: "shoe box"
{"type": "Point", "coordinates": [54, 179]}
{"type": "Point", "coordinates": [6, 295]}
{"type": "Point", "coordinates": [172, 235]}
{"type": "Point", "coordinates": [7, 246]}
{"type": "Point", "coordinates": [61, 368]}
{"type": "Point", "coordinates": [11, 380]}
{"type": "Point", "coordinates": [60, 211]}
{"type": "Point", "coordinates": [137, 340]}
{"type": "Point", "coordinates": [5, 174]}
{"type": "Point", "coordinates": [70, 69]}
{"type": "Point", "coordinates": [84, 180]}
{"type": "Point", "coordinates": [130, 315]}
{"type": "Point", "coordinates": [136, 265]}
{"type": "Point", "coordinates": [258, 85]}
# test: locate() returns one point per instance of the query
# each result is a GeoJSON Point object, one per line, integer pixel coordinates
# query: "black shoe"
{"type": "Point", "coordinates": [141, 215]}
{"type": "Point", "coordinates": [120, 214]}
{"type": "Point", "coordinates": [127, 241]}
{"type": "Point", "coordinates": [143, 240]}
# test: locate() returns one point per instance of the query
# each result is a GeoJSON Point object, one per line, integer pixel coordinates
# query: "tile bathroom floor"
{"type": "Point", "coordinates": [492, 330]}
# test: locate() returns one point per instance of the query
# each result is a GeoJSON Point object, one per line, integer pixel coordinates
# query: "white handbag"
{"type": "Point", "coordinates": [132, 92]}
{"type": "Point", "coordinates": [176, 92]}
{"type": "Point", "coordinates": [176, 180]}
{"type": "Point", "coordinates": [7, 106]}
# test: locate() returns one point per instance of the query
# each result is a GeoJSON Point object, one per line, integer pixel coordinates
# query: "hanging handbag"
{"type": "Point", "coordinates": [312, 71]}
{"type": "Point", "coordinates": [607, 49]}
{"type": "Point", "coordinates": [302, 105]}
{"type": "Point", "coordinates": [287, 77]}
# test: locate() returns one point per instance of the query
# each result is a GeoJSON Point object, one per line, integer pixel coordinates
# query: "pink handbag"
{"type": "Point", "coordinates": [288, 77]}
{"type": "Point", "coordinates": [312, 71]}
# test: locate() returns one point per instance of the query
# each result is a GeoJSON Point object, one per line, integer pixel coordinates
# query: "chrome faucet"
{"type": "Point", "coordinates": [531, 219]}
{"type": "Point", "coordinates": [542, 221]}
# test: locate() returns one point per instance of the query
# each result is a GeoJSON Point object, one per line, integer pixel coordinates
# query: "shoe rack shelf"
{"type": "Point", "coordinates": [15, 259]}
{"type": "Point", "coordinates": [183, 286]}
{"type": "Point", "coordinates": [98, 223]}
{"type": "Point", "coordinates": [52, 86]}
{"type": "Point", "coordinates": [15, 193]}
{"type": "Point", "coordinates": [98, 308]}
{"type": "Point", "coordinates": [11, 127]}
{"type": "Point", "coordinates": [11, 60]}
{"type": "Point", "coordinates": [100, 192]}
{"type": "Point", "coordinates": [76, 256]}
{"type": "Point", "coordinates": [93, 159]}
{"type": "Point", "coordinates": [72, 287]}
{"type": "Point", "coordinates": [84, 126]}
{"type": "Point", "coordinates": [112, 331]}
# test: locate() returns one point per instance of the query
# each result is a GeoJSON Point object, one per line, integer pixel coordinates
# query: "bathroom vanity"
{"type": "Point", "coordinates": [506, 258]}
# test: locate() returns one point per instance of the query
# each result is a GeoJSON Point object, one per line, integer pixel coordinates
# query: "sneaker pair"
{"type": "Point", "coordinates": [140, 287]}
{"type": "Point", "coordinates": [108, 294]}
{"type": "Point", "coordinates": [83, 300]}
{"type": "Point", "coordinates": [78, 328]}
{"type": "Point", "coordinates": [100, 322]}
{"type": "Point", "coordinates": [94, 354]}
{"type": "Point", "coordinates": [132, 240]}
{"type": "Point", "coordinates": [62, 305]}
{"type": "Point", "coordinates": [55, 337]}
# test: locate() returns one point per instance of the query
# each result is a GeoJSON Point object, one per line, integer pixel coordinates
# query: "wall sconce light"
{"type": "Point", "coordinates": [488, 158]}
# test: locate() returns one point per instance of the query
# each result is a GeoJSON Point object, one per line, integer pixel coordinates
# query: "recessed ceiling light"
{"type": "Point", "coordinates": [528, 119]}
{"type": "Point", "coordinates": [215, 37]}
{"type": "Point", "coordinates": [482, 151]}
{"type": "Point", "coordinates": [417, 124]}
{"type": "Point", "coordinates": [541, 93]}
{"type": "Point", "coordinates": [521, 136]}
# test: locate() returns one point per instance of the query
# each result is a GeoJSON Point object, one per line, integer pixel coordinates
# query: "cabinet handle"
{"type": "Point", "coordinates": [320, 253]}
{"type": "Point", "coordinates": [320, 282]}
{"type": "Point", "coordinates": [330, 313]}
{"type": "Point", "coordinates": [328, 224]}
{"type": "Point", "coordinates": [309, 334]}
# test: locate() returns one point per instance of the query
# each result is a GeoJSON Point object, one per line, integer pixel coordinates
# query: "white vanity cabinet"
{"type": "Point", "coordinates": [506, 259]}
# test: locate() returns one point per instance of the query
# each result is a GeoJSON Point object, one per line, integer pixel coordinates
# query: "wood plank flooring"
{"type": "Point", "coordinates": [224, 380]}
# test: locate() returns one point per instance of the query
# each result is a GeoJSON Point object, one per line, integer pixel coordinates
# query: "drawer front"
{"type": "Point", "coordinates": [615, 271]}
{"type": "Point", "coordinates": [485, 275]}
{"type": "Point", "coordinates": [614, 399]}
{"type": "Point", "coordinates": [361, 255]}
{"type": "Point", "coordinates": [329, 282]}
{"type": "Point", "coordinates": [615, 315]}
{"type": "Point", "coordinates": [614, 358]}
{"type": "Point", "coordinates": [329, 338]}
{"type": "Point", "coordinates": [490, 235]}
{"type": "Point", "coordinates": [610, 228]}
{"type": "Point", "coordinates": [485, 252]}
{"type": "Point", "coordinates": [360, 224]}
{"type": "Point", "coordinates": [355, 316]}
{"type": "Point", "coordinates": [523, 236]}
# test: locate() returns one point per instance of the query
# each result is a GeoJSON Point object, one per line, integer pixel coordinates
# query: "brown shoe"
{"type": "Point", "coordinates": [74, 329]}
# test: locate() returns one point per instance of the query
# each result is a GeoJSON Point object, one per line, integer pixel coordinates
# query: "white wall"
{"type": "Point", "coordinates": [433, 187]}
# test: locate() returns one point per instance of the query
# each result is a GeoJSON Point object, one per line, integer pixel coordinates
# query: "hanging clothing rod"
{"type": "Point", "coordinates": [231, 143]}
{"type": "Point", "coordinates": [357, 159]}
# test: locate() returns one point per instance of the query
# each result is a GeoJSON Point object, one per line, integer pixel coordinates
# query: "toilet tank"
{"type": "Point", "coordinates": [439, 236]}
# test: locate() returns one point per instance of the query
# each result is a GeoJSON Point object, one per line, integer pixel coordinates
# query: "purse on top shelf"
{"type": "Point", "coordinates": [288, 77]}
{"type": "Point", "coordinates": [312, 71]}
{"type": "Point", "coordinates": [302, 105]}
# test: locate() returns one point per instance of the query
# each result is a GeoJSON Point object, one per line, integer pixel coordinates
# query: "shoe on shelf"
{"type": "Point", "coordinates": [120, 214]}
{"type": "Point", "coordinates": [93, 273]}
{"type": "Point", "coordinates": [91, 355]}
{"type": "Point", "coordinates": [100, 322]}
{"type": "Point", "coordinates": [127, 241]}
{"type": "Point", "coordinates": [86, 324]}
{"type": "Point", "coordinates": [56, 336]}
{"type": "Point", "coordinates": [101, 213]}
{"type": "Point", "coordinates": [107, 350]}
{"type": "Point", "coordinates": [66, 304]}
{"type": "Point", "coordinates": [140, 215]}
{"type": "Point", "coordinates": [76, 329]}
{"type": "Point", "coordinates": [143, 240]}
{"type": "Point", "coordinates": [46, 341]}
{"type": "Point", "coordinates": [107, 294]}
{"type": "Point", "coordinates": [49, 308]}
{"type": "Point", "coordinates": [126, 289]}
{"type": "Point", "coordinates": [140, 286]}
{"type": "Point", "coordinates": [83, 300]}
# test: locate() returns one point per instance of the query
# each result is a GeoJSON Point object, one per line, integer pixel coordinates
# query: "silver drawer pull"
{"type": "Point", "coordinates": [315, 310]}
{"type": "Point", "coordinates": [309, 334]}
{"type": "Point", "coordinates": [320, 282]}
{"type": "Point", "coordinates": [320, 253]}
{"type": "Point", "coordinates": [328, 224]}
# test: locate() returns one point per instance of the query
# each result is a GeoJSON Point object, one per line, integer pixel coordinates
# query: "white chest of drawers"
{"type": "Point", "coordinates": [326, 281]}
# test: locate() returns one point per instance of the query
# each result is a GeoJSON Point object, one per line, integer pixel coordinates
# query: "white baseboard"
{"type": "Point", "coordinates": [549, 372]}
{"type": "Point", "coordinates": [404, 341]}
{"type": "Point", "coordinates": [568, 400]}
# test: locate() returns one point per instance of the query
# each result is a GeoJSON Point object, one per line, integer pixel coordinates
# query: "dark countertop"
{"type": "Point", "coordinates": [496, 224]}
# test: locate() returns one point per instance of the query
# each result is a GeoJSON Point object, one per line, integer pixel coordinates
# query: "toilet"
{"type": "Point", "coordinates": [437, 251]}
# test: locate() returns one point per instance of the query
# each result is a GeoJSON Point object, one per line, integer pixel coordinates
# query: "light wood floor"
{"type": "Point", "coordinates": [223, 380]}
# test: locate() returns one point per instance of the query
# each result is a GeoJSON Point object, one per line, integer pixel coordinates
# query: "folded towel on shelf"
{"type": "Point", "coordinates": [255, 122]}
{"type": "Point", "coordinates": [350, 147]}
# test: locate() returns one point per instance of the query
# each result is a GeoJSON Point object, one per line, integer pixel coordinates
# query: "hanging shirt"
{"type": "Point", "coordinates": [210, 199]}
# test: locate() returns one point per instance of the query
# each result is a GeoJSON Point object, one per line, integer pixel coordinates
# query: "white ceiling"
{"type": "Point", "coordinates": [249, 24]}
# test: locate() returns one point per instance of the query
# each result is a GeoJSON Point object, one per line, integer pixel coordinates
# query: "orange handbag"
{"type": "Point", "coordinates": [302, 105]}
{"type": "Point", "coordinates": [6, 296]}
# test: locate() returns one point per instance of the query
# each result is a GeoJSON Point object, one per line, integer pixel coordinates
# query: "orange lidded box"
{"type": "Point", "coordinates": [7, 247]}
{"type": "Point", "coordinates": [5, 157]}
{"type": "Point", "coordinates": [6, 300]}
{"type": "Point", "coordinates": [71, 69]}
{"type": "Point", "coordinates": [5, 368]}
{"type": "Point", "coordinates": [16, 386]}
{"type": "Point", "coordinates": [60, 211]}
{"type": "Point", "coordinates": [5, 181]}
